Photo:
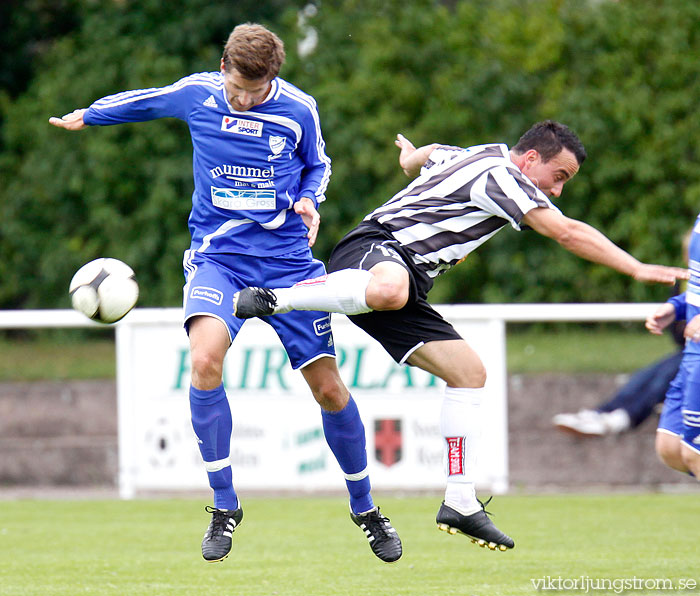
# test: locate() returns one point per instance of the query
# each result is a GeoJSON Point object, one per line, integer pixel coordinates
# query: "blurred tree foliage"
{"type": "Point", "coordinates": [623, 74]}
{"type": "Point", "coordinates": [121, 191]}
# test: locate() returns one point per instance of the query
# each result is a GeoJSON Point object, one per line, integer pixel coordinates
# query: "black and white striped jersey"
{"type": "Point", "coordinates": [461, 198]}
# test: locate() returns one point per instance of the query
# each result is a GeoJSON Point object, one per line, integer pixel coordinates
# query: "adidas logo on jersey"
{"type": "Point", "coordinates": [210, 102]}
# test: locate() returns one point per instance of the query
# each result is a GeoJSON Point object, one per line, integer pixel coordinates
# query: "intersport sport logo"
{"type": "Point", "coordinates": [239, 126]}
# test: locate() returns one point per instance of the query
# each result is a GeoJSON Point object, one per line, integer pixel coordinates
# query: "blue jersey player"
{"type": "Point", "coordinates": [260, 171]}
{"type": "Point", "coordinates": [678, 433]}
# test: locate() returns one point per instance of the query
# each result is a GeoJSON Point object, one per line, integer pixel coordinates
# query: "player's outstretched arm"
{"type": "Point", "coordinates": [411, 159]}
{"type": "Point", "coordinates": [72, 121]}
{"type": "Point", "coordinates": [590, 244]}
{"type": "Point", "coordinates": [660, 274]}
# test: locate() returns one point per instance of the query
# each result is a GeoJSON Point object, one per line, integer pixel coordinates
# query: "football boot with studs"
{"type": "Point", "coordinates": [382, 537]}
{"type": "Point", "coordinates": [476, 526]}
{"type": "Point", "coordinates": [217, 540]}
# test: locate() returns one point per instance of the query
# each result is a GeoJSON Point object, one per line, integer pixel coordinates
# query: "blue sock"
{"type": "Point", "coordinates": [345, 435]}
{"type": "Point", "coordinates": [211, 421]}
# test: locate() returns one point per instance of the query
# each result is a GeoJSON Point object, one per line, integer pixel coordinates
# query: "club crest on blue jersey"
{"type": "Point", "coordinates": [239, 126]}
{"type": "Point", "coordinates": [277, 144]}
{"type": "Point", "coordinates": [209, 294]}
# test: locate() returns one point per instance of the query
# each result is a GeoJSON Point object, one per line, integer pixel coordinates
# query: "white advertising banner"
{"type": "Point", "coordinates": [278, 441]}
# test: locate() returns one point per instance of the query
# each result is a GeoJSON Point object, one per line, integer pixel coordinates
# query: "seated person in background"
{"type": "Point", "coordinates": [630, 406]}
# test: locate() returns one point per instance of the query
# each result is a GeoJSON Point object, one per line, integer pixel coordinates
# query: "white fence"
{"type": "Point", "coordinates": [508, 313]}
{"type": "Point", "coordinates": [278, 440]}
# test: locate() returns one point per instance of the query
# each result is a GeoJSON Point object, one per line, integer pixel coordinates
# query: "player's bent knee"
{"type": "Point", "coordinates": [691, 460]}
{"type": "Point", "coordinates": [331, 396]}
{"type": "Point", "coordinates": [326, 385]}
{"type": "Point", "coordinates": [206, 368]}
{"type": "Point", "coordinates": [668, 449]}
{"type": "Point", "coordinates": [468, 377]}
{"type": "Point", "coordinates": [478, 376]}
{"type": "Point", "coordinates": [388, 295]}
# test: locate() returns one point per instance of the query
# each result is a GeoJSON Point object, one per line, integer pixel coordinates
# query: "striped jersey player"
{"type": "Point", "coordinates": [382, 271]}
{"type": "Point", "coordinates": [260, 173]}
{"type": "Point", "coordinates": [462, 198]}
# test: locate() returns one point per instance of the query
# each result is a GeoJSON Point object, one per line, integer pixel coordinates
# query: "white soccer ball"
{"type": "Point", "coordinates": [104, 290]}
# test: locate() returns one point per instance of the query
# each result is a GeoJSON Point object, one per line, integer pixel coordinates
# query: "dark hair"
{"type": "Point", "coordinates": [548, 138]}
{"type": "Point", "coordinates": [254, 51]}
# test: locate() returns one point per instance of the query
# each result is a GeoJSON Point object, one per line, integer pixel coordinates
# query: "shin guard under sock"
{"type": "Point", "coordinates": [211, 421]}
{"type": "Point", "coordinates": [345, 435]}
{"type": "Point", "coordinates": [460, 426]}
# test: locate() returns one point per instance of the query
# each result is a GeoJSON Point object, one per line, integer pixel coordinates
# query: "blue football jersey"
{"type": "Point", "coordinates": [249, 167]}
{"type": "Point", "coordinates": [687, 305]}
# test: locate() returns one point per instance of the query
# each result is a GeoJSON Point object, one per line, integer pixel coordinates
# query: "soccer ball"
{"type": "Point", "coordinates": [104, 290]}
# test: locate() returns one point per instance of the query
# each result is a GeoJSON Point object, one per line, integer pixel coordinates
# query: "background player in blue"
{"type": "Point", "coordinates": [382, 271]}
{"type": "Point", "coordinates": [260, 171]}
{"type": "Point", "coordinates": [678, 432]}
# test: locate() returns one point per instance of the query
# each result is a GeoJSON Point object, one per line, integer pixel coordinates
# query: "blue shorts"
{"type": "Point", "coordinates": [213, 279]}
{"type": "Point", "coordinates": [681, 413]}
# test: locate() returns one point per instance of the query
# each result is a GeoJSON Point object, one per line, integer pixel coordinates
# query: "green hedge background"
{"type": "Point", "coordinates": [625, 75]}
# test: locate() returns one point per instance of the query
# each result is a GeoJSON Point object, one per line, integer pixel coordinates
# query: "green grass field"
{"type": "Point", "coordinates": [53, 357]}
{"type": "Point", "coordinates": [309, 547]}
{"type": "Point", "coordinates": [69, 354]}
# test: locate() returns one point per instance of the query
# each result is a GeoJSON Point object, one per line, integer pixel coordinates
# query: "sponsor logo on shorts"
{"type": "Point", "coordinates": [239, 126]}
{"type": "Point", "coordinates": [235, 199]}
{"type": "Point", "coordinates": [322, 326]}
{"type": "Point", "coordinates": [209, 294]}
{"type": "Point", "coordinates": [455, 455]}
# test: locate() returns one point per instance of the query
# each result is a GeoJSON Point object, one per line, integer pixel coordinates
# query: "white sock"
{"type": "Point", "coordinates": [460, 426]}
{"type": "Point", "coordinates": [342, 291]}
